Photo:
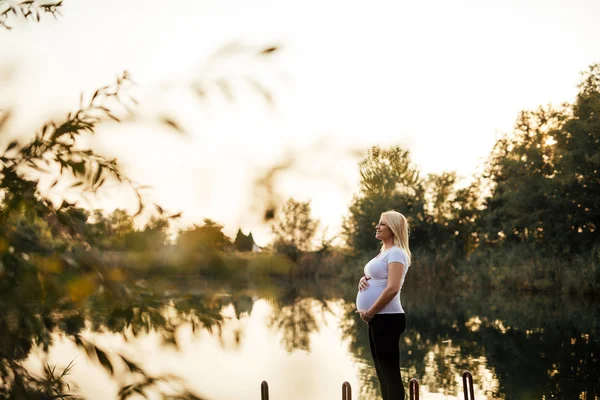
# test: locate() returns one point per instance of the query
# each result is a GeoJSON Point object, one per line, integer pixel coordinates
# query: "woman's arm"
{"type": "Point", "coordinates": [395, 274]}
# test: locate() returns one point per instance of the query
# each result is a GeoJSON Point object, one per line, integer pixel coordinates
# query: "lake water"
{"type": "Point", "coordinates": [305, 340]}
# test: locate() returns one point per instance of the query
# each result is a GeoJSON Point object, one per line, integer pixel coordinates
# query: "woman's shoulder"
{"type": "Point", "coordinates": [397, 249]}
{"type": "Point", "coordinates": [397, 254]}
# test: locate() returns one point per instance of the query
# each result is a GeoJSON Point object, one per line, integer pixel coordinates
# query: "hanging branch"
{"type": "Point", "coordinates": [57, 145]}
{"type": "Point", "coordinates": [28, 9]}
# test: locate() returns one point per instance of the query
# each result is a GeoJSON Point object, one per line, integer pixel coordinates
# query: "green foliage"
{"type": "Point", "coordinates": [452, 216]}
{"type": "Point", "coordinates": [384, 172]}
{"type": "Point", "coordinates": [294, 229]}
{"type": "Point", "coordinates": [205, 238]}
{"type": "Point", "coordinates": [545, 177]}
{"type": "Point", "coordinates": [442, 195]}
{"type": "Point", "coordinates": [152, 238]}
{"type": "Point", "coordinates": [524, 205]}
{"type": "Point", "coordinates": [389, 181]}
{"type": "Point", "coordinates": [107, 232]}
{"type": "Point", "coordinates": [442, 218]}
{"type": "Point", "coordinates": [578, 154]}
{"type": "Point", "coordinates": [261, 265]}
{"type": "Point", "coordinates": [519, 267]}
{"type": "Point", "coordinates": [54, 148]}
{"type": "Point", "coordinates": [51, 268]}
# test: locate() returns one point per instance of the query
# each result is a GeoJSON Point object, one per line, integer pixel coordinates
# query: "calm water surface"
{"type": "Point", "coordinates": [306, 340]}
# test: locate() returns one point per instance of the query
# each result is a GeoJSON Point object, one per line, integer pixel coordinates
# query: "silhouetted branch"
{"type": "Point", "coordinates": [28, 9]}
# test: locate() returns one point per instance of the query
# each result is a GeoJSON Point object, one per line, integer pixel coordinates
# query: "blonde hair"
{"type": "Point", "coordinates": [399, 227]}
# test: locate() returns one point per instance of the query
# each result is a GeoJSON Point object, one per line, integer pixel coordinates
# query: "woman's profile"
{"type": "Point", "coordinates": [378, 301]}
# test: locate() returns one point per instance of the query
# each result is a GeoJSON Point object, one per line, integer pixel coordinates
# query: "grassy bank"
{"type": "Point", "coordinates": [516, 268]}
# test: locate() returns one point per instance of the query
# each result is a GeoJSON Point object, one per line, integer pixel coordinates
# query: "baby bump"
{"type": "Point", "coordinates": [366, 298]}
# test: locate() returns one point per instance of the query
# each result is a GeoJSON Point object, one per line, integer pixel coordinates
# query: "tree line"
{"type": "Point", "coordinates": [530, 220]}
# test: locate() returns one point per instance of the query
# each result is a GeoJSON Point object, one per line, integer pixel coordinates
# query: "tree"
{"type": "Point", "coordinates": [384, 172]}
{"type": "Point", "coordinates": [441, 194]}
{"type": "Point", "coordinates": [294, 229]}
{"type": "Point", "coordinates": [389, 180]}
{"type": "Point", "coordinates": [152, 238]}
{"type": "Point", "coordinates": [452, 213]}
{"type": "Point", "coordinates": [545, 180]}
{"type": "Point", "coordinates": [524, 205]}
{"type": "Point", "coordinates": [120, 223]}
{"type": "Point", "coordinates": [207, 237]}
{"type": "Point", "coordinates": [466, 209]}
{"type": "Point", "coordinates": [578, 166]}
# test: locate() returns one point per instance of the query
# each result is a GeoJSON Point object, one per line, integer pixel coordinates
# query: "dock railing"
{"type": "Point", "coordinates": [413, 388]}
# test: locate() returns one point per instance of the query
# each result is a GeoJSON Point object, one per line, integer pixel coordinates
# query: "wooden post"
{"type": "Point", "coordinates": [468, 385]}
{"type": "Point", "coordinates": [264, 390]}
{"type": "Point", "coordinates": [346, 391]}
{"type": "Point", "coordinates": [413, 389]}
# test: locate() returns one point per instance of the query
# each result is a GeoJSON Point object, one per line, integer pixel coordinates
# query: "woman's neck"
{"type": "Point", "coordinates": [388, 245]}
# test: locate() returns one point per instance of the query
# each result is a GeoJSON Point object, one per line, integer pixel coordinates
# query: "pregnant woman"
{"type": "Point", "coordinates": [378, 301]}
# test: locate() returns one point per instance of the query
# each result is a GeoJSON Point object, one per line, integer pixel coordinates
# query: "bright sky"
{"type": "Point", "coordinates": [441, 78]}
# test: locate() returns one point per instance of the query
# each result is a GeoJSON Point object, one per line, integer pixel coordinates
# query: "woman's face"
{"type": "Point", "coordinates": [382, 231]}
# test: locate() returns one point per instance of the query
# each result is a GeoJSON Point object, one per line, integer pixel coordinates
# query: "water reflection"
{"type": "Point", "coordinates": [223, 339]}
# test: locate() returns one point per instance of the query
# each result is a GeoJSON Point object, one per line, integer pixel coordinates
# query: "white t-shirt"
{"type": "Point", "coordinates": [377, 269]}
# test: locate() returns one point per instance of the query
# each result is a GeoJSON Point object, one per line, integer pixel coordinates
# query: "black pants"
{"type": "Point", "coordinates": [384, 338]}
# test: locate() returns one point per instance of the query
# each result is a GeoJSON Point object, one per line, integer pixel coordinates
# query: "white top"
{"type": "Point", "coordinates": [377, 269]}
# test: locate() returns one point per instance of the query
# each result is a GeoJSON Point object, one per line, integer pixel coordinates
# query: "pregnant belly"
{"type": "Point", "coordinates": [366, 298]}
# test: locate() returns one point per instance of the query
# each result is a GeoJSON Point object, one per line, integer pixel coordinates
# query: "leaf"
{"type": "Point", "coordinates": [125, 391]}
{"type": "Point", "coordinates": [98, 174]}
{"type": "Point", "coordinates": [131, 365]}
{"type": "Point", "coordinates": [268, 50]}
{"type": "Point", "coordinates": [79, 341]}
{"type": "Point", "coordinates": [3, 118]}
{"type": "Point", "coordinates": [172, 124]}
{"type": "Point", "coordinates": [104, 360]}
{"type": "Point", "coordinates": [113, 117]}
{"type": "Point", "coordinates": [84, 344]}
{"type": "Point", "coordinates": [199, 90]}
{"type": "Point", "coordinates": [78, 167]}
{"type": "Point", "coordinates": [261, 89]}
{"type": "Point", "coordinates": [225, 89]}
{"type": "Point", "coordinates": [11, 146]}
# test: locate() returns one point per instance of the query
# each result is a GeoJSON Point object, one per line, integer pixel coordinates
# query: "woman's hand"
{"type": "Point", "coordinates": [363, 284]}
{"type": "Point", "coordinates": [365, 316]}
